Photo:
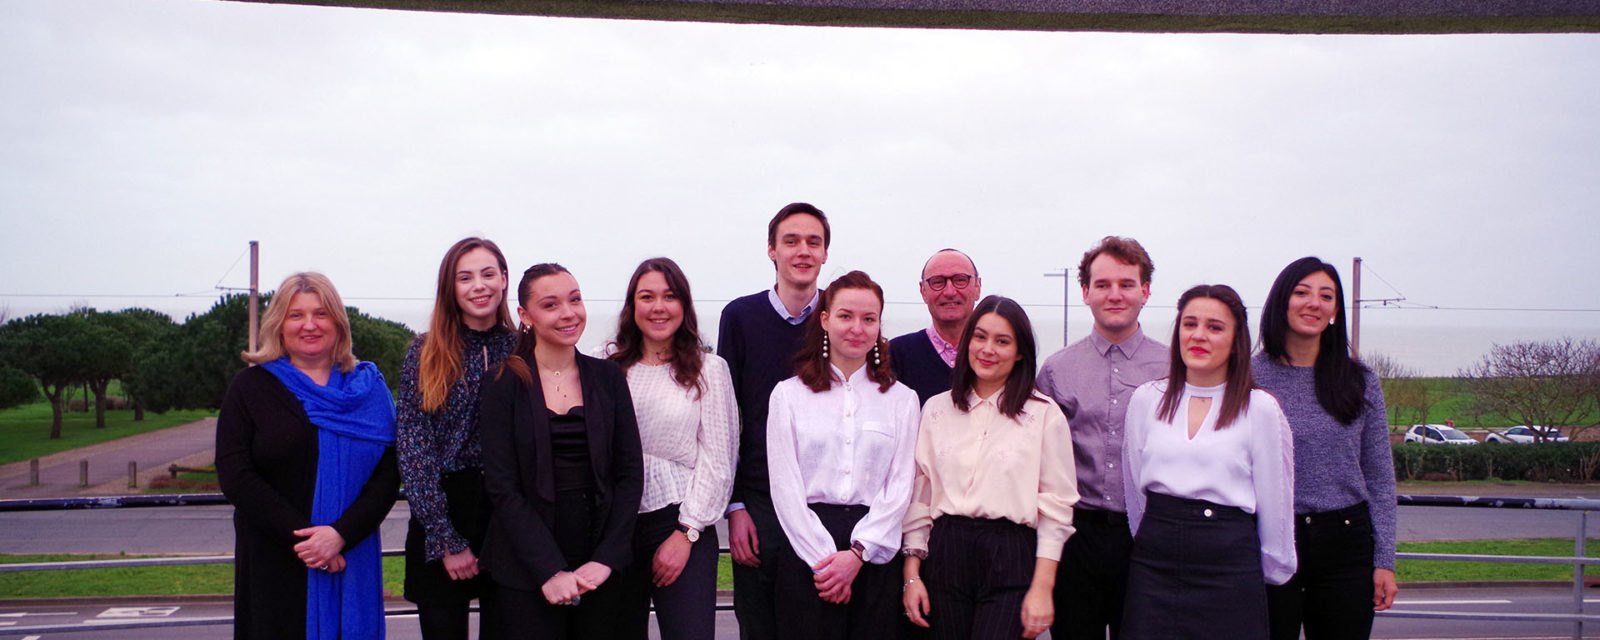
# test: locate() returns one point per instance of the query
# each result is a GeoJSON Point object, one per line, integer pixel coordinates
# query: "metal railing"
{"type": "Point", "coordinates": [1578, 560]}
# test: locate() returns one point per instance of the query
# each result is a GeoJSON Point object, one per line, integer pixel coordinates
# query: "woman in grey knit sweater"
{"type": "Point", "coordinates": [1344, 499]}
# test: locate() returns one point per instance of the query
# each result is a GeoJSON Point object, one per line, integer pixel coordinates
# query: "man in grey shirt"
{"type": "Point", "coordinates": [1092, 380]}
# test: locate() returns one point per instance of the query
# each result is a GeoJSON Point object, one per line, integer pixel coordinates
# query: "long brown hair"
{"type": "Point", "coordinates": [439, 366]}
{"type": "Point", "coordinates": [523, 353]}
{"type": "Point", "coordinates": [813, 368]}
{"type": "Point", "coordinates": [686, 355]}
{"type": "Point", "coordinates": [1236, 394]}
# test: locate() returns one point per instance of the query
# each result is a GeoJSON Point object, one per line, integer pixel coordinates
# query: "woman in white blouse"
{"type": "Point", "coordinates": [689, 427]}
{"type": "Point", "coordinates": [1210, 484]}
{"type": "Point", "coordinates": [840, 441]}
{"type": "Point", "coordinates": [992, 502]}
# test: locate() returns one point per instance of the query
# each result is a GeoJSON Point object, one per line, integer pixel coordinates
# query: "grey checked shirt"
{"type": "Point", "coordinates": [1092, 380]}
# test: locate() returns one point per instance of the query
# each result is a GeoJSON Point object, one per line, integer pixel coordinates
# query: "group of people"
{"type": "Point", "coordinates": [941, 484]}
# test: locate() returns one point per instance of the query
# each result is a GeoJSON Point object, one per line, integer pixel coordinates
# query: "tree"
{"type": "Point", "coordinates": [382, 341]}
{"type": "Point", "coordinates": [1550, 383]}
{"type": "Point", "coordinates": [140, 328]}
{"type": "Point", "coordinates": [54, 351]}
{"type": "Point", "coordinates": [109, 355]}
{"type": "Point", "coordinates": [1408, 399]}
{"type": "Point", "coordinates": [16, 387]}
{"type": "Point", "coordinates": [190, 366]}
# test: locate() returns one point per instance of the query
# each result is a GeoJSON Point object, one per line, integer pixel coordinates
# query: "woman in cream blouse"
{"type": "Point", "coordinates": [840, 436]}
{"type": "Point", "coordinates": [992, 502]}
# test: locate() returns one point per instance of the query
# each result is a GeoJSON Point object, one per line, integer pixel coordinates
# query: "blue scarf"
{"type": "Point", "coordinates": [354, 415]}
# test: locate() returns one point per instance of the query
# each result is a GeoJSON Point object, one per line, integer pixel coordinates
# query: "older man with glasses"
{"type": "Point", "coordinates": [923, 359]}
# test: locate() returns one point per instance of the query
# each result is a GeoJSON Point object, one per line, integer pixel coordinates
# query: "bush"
{"type": "Point", "coordinates": [1545, 462]}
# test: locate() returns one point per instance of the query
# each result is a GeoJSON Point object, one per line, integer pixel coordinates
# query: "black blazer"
{"type": "Point", "coordinates": [519, 550]}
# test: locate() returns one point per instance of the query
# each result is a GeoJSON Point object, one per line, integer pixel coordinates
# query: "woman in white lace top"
{"type": "Point", "coordinates": [689, 428]}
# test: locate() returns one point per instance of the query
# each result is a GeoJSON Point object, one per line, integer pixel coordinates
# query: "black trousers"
{"type": "Point", "coordinates": [1331, 593]}
{"type": "Point", "coordinates": [1195, 572]}
{"type": "Point", "coordinates": [599, 613]}
{"type": "Point", "coordinates": [873, 612]}
{"type": "Point", "coordinates": [1093, 576]}
{"type": "Point", "coordinates": [685, 609]}
{"type": "Point", "coordinates": [443, 605]}
{"type": "Point", "coordinates": [753, 599]}
{"type": "Point", "coordinates": [977, 573]}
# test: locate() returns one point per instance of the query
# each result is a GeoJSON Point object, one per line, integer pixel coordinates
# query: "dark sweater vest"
{"type": "Point", "coordinates": [759, 345]}
{"type": "Point", "coordinates": [916, 364]}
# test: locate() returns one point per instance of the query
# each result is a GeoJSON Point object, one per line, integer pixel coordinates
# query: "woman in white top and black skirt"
{"type": "Point", "coordinates": [1210, 484]}
{"type": "Point", "coordinates": [689, 427]}
{"type": "Point", "coordinates": [992, 502]}
{"type": "Point", "coordinates": [840, 441]}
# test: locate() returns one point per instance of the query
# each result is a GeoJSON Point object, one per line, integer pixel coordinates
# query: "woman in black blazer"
{"type": "Point", "coordinates": [562, 465]}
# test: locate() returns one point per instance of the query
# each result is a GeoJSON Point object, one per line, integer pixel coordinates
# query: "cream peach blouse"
{"type": "Point", "coordinates": [981, 464]}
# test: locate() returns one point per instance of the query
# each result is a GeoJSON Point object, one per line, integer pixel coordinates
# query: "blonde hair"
{"type": "Point", "coordinates": [272, 321]}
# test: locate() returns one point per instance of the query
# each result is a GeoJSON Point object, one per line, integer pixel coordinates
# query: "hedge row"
{"type": "Point", "coordinates": [1548, 462]}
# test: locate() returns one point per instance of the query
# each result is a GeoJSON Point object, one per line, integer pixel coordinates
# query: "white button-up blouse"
{"type": "Point", "coordinates": [849, 445]}
{"type": "Point", "coordinates": [1249, 465]}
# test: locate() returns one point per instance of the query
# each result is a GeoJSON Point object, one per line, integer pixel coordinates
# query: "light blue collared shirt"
{"type": "Point", "coordinates": [777, 305]}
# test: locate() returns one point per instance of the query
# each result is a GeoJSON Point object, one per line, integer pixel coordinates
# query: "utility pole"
{"type": "Point", "coordinates": [1355, 309]}
{"type": "Point", "coordinates": [255, 295]}
{"type": "Point", "coordinates": [1066, 297]}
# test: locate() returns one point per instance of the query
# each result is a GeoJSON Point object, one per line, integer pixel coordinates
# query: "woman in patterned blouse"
{"type": "Point", "coordinates": [689, 427]}
{"type": "Point", "coordinates": [440, 458]}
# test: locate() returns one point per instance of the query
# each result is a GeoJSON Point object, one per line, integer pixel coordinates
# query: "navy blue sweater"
{"type": "Point", "coordinates": [916, 364]}
{"type": "Point", "coordinates": [759, 346]}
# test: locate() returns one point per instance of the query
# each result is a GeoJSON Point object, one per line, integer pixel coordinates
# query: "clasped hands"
{"type": "Point", "coordinates": [321, 548]}
{"type": "Point", "coordinates": [566, 587]}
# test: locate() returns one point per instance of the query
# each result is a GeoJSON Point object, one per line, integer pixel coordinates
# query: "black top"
{"type": "Point", "coordinates": [267, 466]}
{"type": "Point", "coordinates": [520, 473]}
{"type": "Point", "coordinates": [916, 364]}
{"type": "Point", "coordinates": [569, 438]}
{"type": "Point", "coordinates": [759, 345]}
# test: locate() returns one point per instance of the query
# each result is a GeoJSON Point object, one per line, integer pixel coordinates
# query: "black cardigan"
{"type": "Point", "coordinates": [267, 466]}
{"type": "Point", "coordinates": [519, 549]}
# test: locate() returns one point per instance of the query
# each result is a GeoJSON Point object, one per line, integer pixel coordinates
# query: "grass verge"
{"type": "Point", "coordinates": [166, 581]}
{"type": "Point", "coordinates": [1451, 571]}
{"type": "Point", "coordinates": [25, 430]}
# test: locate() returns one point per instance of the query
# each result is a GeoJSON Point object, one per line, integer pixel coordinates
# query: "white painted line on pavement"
{"type": "Point", "coordinates": [1400, 602]}
{"type": "Point", "coordinates": [19, 614]}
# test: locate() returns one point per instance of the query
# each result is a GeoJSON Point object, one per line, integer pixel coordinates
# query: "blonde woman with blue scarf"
{"type": "Point", "coordinates": [305, 452]}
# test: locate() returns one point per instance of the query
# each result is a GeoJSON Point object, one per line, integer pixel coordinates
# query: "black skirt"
{"type": "Point", "coordinates": [1195, 572]}
{"type": "Point", "coordinates": [427, 583]}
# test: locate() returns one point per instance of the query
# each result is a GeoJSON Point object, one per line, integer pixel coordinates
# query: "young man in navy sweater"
{"type": "Point", "coordinates": [924, 359]}
{"type": "Point", "coordinates": [758, 336]}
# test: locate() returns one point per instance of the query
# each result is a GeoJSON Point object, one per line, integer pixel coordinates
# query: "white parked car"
{"type": "Point", "coordinates": [1523, 434]}
{"type": "Point", "coordinates": [1437, 434]}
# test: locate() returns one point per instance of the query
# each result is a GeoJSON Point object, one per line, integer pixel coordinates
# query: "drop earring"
{"type": "Point", "coordinates": [824, 346]}
{"type": "Point", "coordinates": [875, 360]}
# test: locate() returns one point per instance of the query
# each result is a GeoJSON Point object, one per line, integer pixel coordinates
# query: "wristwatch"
{"type": "Point", "coordinates": [689, 532]}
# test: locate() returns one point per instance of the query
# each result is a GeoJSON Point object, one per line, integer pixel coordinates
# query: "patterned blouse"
{"type": "Point", "coordinates": [433, 444]}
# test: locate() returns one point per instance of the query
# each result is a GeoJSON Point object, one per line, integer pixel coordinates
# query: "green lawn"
{"type": "Point", "coordinates": [218, 579]}
{"type": "Point", "coordinates": [25, 430]}
{"type": "Point", "coordinates": [1448, 571]}
{"type": "Point", "coordinates": [1452, 401]}
{"type": "Point", "coordinates": [186, 580]}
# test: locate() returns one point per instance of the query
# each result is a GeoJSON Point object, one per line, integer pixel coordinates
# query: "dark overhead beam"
{"type": "Point", "coordinates": [1150, 16]}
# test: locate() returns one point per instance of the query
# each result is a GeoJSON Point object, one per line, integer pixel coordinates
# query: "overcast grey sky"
{"type": "Point", "coordinates": [143, 143]}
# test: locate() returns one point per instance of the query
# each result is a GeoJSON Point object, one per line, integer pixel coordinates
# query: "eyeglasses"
{"type": "Point", "coordinates": [960, 280]}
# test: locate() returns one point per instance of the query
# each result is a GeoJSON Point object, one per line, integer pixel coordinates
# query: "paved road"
{"type": "Point", "coordinates": [404, 627]}
{"type": "Point", "coordinates": [188, 445]}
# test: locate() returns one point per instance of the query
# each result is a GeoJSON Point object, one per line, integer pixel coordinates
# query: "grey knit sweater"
{"type": "Point", "coordinates": [1336, 465]}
